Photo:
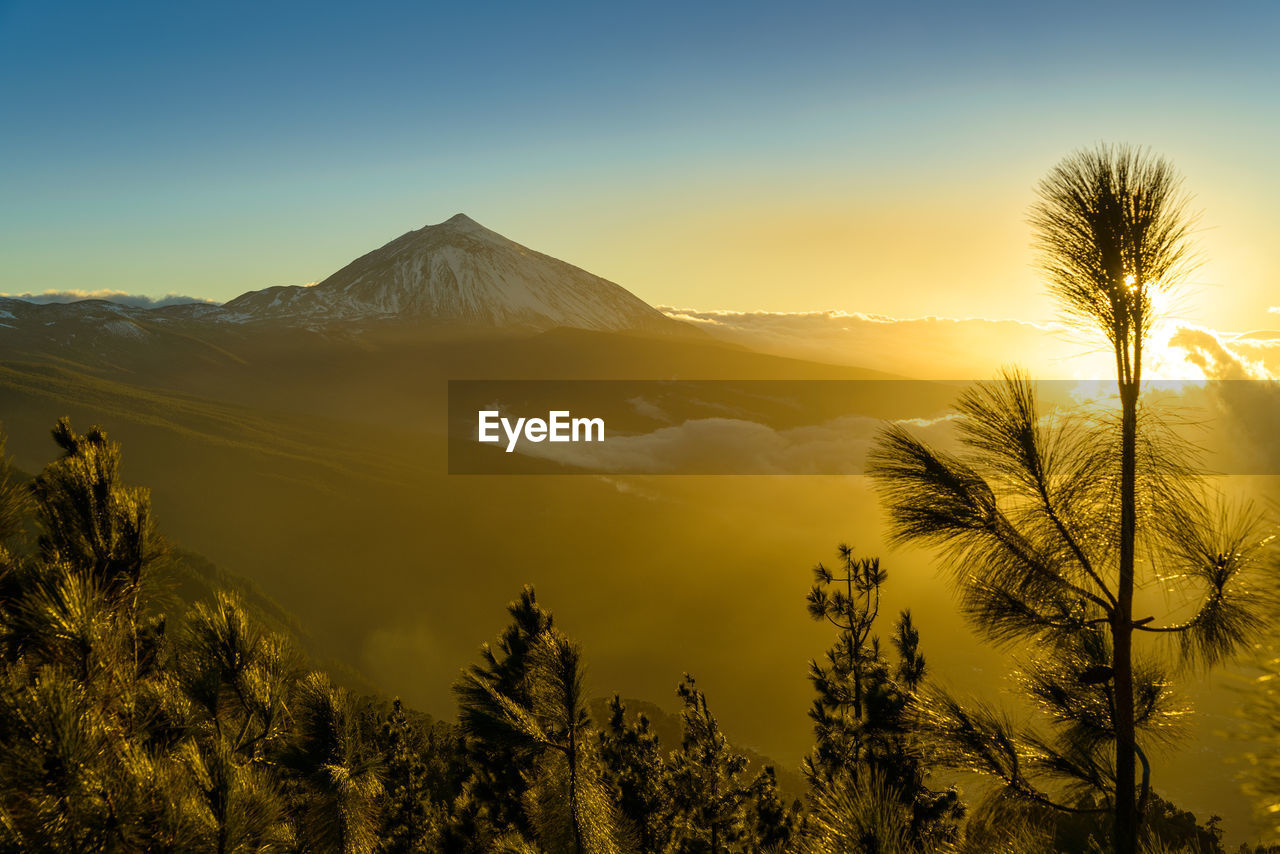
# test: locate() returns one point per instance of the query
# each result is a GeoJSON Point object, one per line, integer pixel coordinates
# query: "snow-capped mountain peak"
{"type": "Point", "coordinates": [458, 273]}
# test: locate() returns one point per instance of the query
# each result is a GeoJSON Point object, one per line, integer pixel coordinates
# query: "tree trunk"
{"type": "Point", "coordinates": [1127, 819]}
{"type": "Point", "coordinates": [855, 664]}
{"type": "Point", "coordinates": [574, 805]}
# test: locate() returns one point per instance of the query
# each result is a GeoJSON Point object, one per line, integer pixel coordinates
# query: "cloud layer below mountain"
{"type": "Point", "coordinates": [977, 347]}
{"type": "Point", "coordinates": [1241, 401]}
{"type": "Point", "coordinates": [925, 347]}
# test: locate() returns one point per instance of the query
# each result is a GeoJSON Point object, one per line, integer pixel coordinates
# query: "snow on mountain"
{"type": "Point", "coordinates": [457, 272]}
{"type": "Point", "coordinates": [65, 323]}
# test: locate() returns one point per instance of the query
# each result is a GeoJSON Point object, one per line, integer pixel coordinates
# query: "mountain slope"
{"type": "Point", "coordinates": [458, 273]}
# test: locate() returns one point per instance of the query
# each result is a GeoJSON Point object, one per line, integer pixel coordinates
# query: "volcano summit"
{"type": "Point", "coordinates": [458, 273]}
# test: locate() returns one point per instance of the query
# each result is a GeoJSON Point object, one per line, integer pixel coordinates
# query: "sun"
{"type": "Point", "coordinates": [1162, 361]}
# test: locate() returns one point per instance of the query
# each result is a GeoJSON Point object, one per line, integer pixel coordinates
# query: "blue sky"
{"type": "Point", "coordinates": [864, 157]}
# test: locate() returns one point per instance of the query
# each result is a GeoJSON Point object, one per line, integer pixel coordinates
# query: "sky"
{"type": "Point", "coordinates": [749, 157]}
{"type": "Point", "coordinates": [801, 172]}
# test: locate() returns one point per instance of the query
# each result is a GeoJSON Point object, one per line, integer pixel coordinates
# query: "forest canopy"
{"type": "Point", "coordinates": [132, 721]}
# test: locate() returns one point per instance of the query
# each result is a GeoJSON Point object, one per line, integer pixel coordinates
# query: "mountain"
{"type": "Point", "coordinates": [458, 273]}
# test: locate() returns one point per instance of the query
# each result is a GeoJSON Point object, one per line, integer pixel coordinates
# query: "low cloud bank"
{"type": "Point", "coordinates": [952, 348]}
{"type": "Point", "coordinates": [734, 446]}
{"type": "Point", "coordinates": [921, 347]}
{"type": "Point", "coordinates": [1240, 404]}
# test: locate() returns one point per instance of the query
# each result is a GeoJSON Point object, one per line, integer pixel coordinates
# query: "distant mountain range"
{"type": "Point", "coordinates": [457, 274]}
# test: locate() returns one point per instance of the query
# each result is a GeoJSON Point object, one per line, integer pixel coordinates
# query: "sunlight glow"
{"type": "Point", "coordinates": [1164, 362]}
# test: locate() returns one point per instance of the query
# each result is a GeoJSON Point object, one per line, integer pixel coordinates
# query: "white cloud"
{"type": "Point", "coordinates": [1206, 350]}
{"type": "Point", "coordinates": [1230, 355]}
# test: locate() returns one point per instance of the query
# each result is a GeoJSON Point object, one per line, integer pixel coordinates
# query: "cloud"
{"type": "Point", "coordinates": [924, 347]}
{"type": "Point", "coordinates": [119, 297]}
{"type": "Point", "coordinates": [649, 409]}
{"type": "Point", "coordinates": [948, 348]}
{"type": "Point", "coordinates": [1243, 401]}
{"type": "Point", "coordinates": [734, 446]}
{"type": "Point", "coordinates": [1230, 355]}
{"type": "Point", "coordinates": [1206, 351]}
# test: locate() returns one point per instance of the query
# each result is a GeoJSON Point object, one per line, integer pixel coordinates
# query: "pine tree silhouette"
{"type": "Point", "coordinates": [863, 713]}
{"type": "Point", "coordinates": [499, 769]}
{"type": "Point", "coordinates": [634, 764]}
{"type": "Point", "coordinates": [1047, 521]}
{"type": "Point", "coordinates": [546, 721]}
{"type": "Point", "coordinates": [710, 796]}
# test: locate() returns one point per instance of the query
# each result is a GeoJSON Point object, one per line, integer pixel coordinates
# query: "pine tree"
{"type": "Point", "coordinates": [412, 818]}
{"type": "Point", "coordinates": [863, 714]}
{"type": "Point", "coordinates": [500, 769]}
{"type": "Point", "coordinates": [1049, 522]}
{"type": "Point", "coordinates": [237, 682]}
{"type": "Point", "coordinates": [14, 505]}
{"type": "Point", "coordinates": [119, 735]}
{"type": "Point", "coordinates": [839, 712]}
{"type": "Point", "coordinates": [862, 815]}
{"type": "Point", "coordinates": [774, 824]}
{"type": "Point", "coordinates": [338, 785]}
{"type": "Point", "coordinates": [79, 754]}
{"type": "Point", "coordinates": [90, 522]}
{"type": "Point", "coordinates": [636, 771]}
{"type": "Point", "coordinates": [566, 799]}
{"type": "Point", "coordinates": [710, 797]}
